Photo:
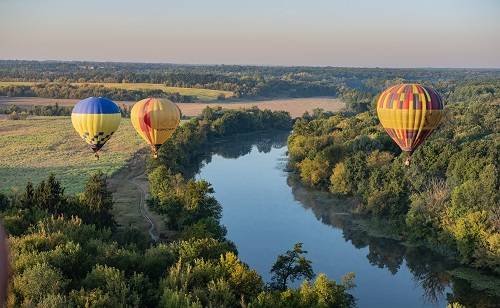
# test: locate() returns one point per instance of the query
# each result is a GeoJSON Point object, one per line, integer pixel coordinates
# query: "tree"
{"type": "Point", "coordinates": [98, 200]}
{"type": "Point", "coordinates": [222, 282]}
{"type": "Point", "coordinates": [4, 202]}
{"type": "Point", "coordinates": [291, 266]}
{"type": "Point", "coordinates": [315, 172]}
{"type": "Point", "coordinates": [29, 195]}
{"type": "Point", "coordinates": [49, 195]}
{"type": "Point", "coordinates": [37, 282]}
{"type": "Point", "coordinates": [338, 180]}
{"type": "Point", "coordinates": [323, 292]}
{"type": "Point", "coordinates": [113, 283]}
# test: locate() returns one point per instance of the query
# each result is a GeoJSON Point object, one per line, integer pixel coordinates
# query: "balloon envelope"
{"type": "Point", "coordinates": [155, 120]}
{"type": "Point", "coordinates": [96, 119]}
{"type": "Point", "coordinates": [409, 113]}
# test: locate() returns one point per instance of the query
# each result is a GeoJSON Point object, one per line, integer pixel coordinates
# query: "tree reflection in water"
{"type": "Point", "coordinates": [429, 270]}
{"type": "Point", "coordinates": [238, 145]}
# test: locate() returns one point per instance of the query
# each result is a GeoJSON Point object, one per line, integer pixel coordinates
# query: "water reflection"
{"type": "Point", "coordinates": [429, 271]}
{"type": "Point", "coordinates": [385, 253]}
{"type": "Point", "coordinates": [239, 145]}
{"type": "Point", "coordinates": [236, 146]}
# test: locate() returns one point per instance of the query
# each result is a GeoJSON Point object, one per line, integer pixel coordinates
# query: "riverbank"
{"type": "Point", "coordinates": [265, 211]}
{"type": "Point", "coordinates": [375, 227]}
{"type": "Point", "coordinates": [479, 280]}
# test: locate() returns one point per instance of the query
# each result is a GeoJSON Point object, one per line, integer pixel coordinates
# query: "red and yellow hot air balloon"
{"type": "Point", "coordinates": [409, 113]}
{"type": "Point", "coordinates": [155, 119]}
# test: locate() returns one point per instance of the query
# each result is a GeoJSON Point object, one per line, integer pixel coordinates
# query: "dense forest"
{"type": "Point", "coordinates": [244, 81]}
{"type": "Point", "coordinates": [447, 199]}
{"type": "Point", "coordinates": [67, 251]}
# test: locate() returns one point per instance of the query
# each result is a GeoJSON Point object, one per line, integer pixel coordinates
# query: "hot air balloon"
{"type": "Point", "coordinates": [155, 120]}
{"type": "Point", "coordinates": [96, 119]}
{"type": "Point", "coordinates": [409, 113]}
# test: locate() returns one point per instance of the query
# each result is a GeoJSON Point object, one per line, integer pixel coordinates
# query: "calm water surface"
{"type": "Point", "coordinates": [266, 211]}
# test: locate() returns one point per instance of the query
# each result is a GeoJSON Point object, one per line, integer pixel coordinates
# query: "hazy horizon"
{"type": "Point", "coordinates": [364, 34]}
{"type": "Point", "coordinates": [256, 65]}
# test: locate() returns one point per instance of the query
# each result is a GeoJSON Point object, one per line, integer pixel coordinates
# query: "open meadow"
{"type": "Point", "coordinates": [33, 148]}
{"type": "Point", "coordinates": [36, 147]}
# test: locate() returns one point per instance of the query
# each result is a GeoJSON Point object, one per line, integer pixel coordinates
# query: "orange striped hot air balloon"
{"type": "Point", "coordinates": [409, 113]}
{"type": "Point", "coordinates": [155, 120]}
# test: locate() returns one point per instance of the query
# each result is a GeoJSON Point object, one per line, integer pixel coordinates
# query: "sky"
{"type": "Point", "coordinates": [357, 33]}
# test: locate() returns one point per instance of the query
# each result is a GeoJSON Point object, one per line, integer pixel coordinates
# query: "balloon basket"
{"type": "Point", "coordinates": [154, 150]}
{"type": "Point", "coordinates": [408, 159]}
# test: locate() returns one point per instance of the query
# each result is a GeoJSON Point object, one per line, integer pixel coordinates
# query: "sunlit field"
{"type": "Point", "coordinates": [201, 94]}
{"type": "Point", "coordinates": [295, 106]}
{"type": "Point", "coordinates": [33, 148]}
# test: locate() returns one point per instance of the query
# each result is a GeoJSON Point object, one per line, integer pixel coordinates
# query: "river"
{"type": "Point", "coordinates": [266, 210]}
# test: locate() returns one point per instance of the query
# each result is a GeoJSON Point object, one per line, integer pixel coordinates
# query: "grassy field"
{"type": "Point", "coordinates": [33, 148]}
{"type": "Point", "coordinates": [202, 94]}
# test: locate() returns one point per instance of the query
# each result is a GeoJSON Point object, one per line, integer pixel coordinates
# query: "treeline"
{"type": "Point", "coordinates": [18, 112]}
{"type": "Point", "coordinates": [448, 198]}
{"type": "Point", "coordinates": [71, 91]}
{"type": "Point", "coordinates": [68, 252]}
{"type": "Point", "coordinates": [37, 110]}
{"type": "Point", "coordinates": [244, 81]}
{"type": "Point", "coordinates": [475, 90]}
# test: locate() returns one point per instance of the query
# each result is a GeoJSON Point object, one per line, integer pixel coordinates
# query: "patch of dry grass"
{"type": "Point", "coordinates": [295, 106]}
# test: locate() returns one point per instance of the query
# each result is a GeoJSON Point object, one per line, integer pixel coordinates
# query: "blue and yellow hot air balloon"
{"type": "Point", "coordinates": [96, 119]}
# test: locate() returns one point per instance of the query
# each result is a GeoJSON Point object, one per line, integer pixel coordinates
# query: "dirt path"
{"type": "Point", "coordinates": [130, 192]}
{"type": "Point", "coordinates": [139, 182]}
